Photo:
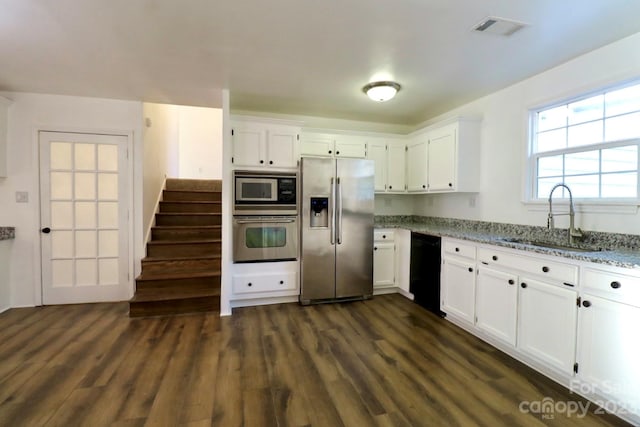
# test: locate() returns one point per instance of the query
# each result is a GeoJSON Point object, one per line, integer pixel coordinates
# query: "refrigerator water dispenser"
{"type": "Point", "coordinates": [319, 212]}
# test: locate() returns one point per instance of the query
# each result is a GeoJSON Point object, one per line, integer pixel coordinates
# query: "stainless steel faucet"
{"type": "Point", "coordinates": [573, 232]}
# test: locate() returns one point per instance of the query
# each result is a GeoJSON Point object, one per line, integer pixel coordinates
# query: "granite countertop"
{"type": "Point", "coordinates": [620, 250]}
{"type": "Point", "coordinates": [7, 233]}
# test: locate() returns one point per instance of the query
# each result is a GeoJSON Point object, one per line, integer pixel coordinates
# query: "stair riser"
{"type": "Point", "coordinates": [191, 196]}
{"type": "Point", "coordinates": [188, 234]}
{"type": "Point", "coordinates": [162, 308]}
{"type": "Point", "coordinates": [193, 184]}
{"type": "Point", "coordinates": [181, 266]}
{"type": "Point", "coordinates": [184, 250]}
{"type": "Point", "coordinates": [173, 207]}
{"type": "Point", "coordinates": [193, 283]}
{"type": "Point", "coordinates": [194, 220]}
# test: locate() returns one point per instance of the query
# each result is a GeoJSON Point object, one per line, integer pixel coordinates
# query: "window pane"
{"type": "Point", "coordinates": [583, 186]}
{"type": "Point", "coordinates": [585, 134]}
{"type": "Point", "coordinates": [550, 166]}
{"type": "Point", "coordinates": [552, 119]}
{"type": "Point", "coordinates": [620, 185]}
{"type": "Point", "coordinates": [620, 159]}
{"type": "Point", "coordinates": [623, 101]}
{"type": "Point", "coordinates": [582, 163]}
{"type": "Point", "coordinates": [546, 184]}
{"type": "Point", "coordinates": [552, 140]}
{"type": "Point", "coordinates": [586, 110]}
{"type": "Point", "coordinates": [266, 237]}
{"type": "Point", "coordinates": [622, 127]}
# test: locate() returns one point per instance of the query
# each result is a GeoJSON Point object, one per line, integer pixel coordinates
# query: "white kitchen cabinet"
{"type": "Point", "coordinates": [317, 145]}
{"type": "Point", "coordinates": [383, 264]}
{"type": "Point", "coordinates": [417, 179]}
{"type": "Point", "coordinates": [4, 125]}
{"type": "Point", "coordinates": [547, 323]}
{"type": "Point", "coordinates": [350, 146]}
{"type": "Point", "coordinates": [377, 151]}
{"type": "Point", "coordinates": [265, 280]}
{"type": "Point", "coordinates": [497, 304]}
{"type": "Point", "coordinates": [334, 146]}
{"type": "Point", "coordinates": [457, 288]}
{"type": "Point", "coordinates": [441, 159]}
{"type": "Point", "coordinates": [263, 145]}
{"type": "Point", "coordinates": [396, 173]}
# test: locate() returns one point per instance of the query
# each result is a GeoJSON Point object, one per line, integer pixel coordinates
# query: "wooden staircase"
{"type": "Point", "coordinates": [181, 272]}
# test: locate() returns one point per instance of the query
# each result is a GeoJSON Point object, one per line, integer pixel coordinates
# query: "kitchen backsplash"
{"type": "Point", "coordinates": [558, 235]}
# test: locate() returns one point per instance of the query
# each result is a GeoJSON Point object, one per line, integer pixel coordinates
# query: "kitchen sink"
{"type": "Point", "coordinates": [550, 245]}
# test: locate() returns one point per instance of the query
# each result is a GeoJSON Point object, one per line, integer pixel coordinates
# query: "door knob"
{"type": "Point", "coordinates": [46, 230]}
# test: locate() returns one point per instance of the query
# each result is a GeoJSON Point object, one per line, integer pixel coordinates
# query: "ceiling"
{"type": "Point", "coordinates": [296, 56]}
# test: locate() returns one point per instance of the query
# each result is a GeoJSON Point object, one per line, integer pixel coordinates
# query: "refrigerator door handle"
{"type": "Point", "coordinates": [332, 221]}
{"type": "Point", "coordinates": [339, 213]}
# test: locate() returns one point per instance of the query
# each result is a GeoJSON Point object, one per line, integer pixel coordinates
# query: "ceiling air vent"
{"type": "Point", "coordinates": [499, 26]}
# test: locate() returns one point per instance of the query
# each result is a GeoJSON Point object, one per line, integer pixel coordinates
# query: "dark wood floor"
{"type": "Point", "coordinates": [383, 362]}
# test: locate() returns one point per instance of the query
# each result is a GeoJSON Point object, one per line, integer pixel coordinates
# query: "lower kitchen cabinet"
{"type": "Point", "coordinates": [496, 304]}
{"type": "Point", "coordinates": [547, 323]}
{"type": "Point", "coordinates": [457, 288]}
{"type": "Point", "coordinates": [384, 255]}
{"type": "Point", "coordinates": [265, 280]}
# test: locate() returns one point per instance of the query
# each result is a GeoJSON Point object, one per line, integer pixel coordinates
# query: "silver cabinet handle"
{"type": "Point", "coordinates": [339, 209]}
{"type": "Point", "coordinates": [333, 212]}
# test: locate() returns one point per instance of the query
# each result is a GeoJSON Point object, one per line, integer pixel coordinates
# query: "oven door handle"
{"type": "Point", "coordinates": [263, 221]}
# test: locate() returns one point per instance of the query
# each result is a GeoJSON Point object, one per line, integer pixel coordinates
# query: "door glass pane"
{"type": "Point", "coordinates": [620, 185]}
{"type": "Point", "coordinates": [620, 159]}
{"type": "Point", "coordinates": [107, 186]}
{"type": "Point", "coordinates": [61, 215]}
{"type": "Point", "coordinates": [60, 155]}
{"type": "Point", "coordinates": [623, 101]}
{"type": "Point", "coordinates": [108, 246]}
{"type": "Point", "coordinates": [107, 157]}
{"type": "Point", "coordinates": [622, 127]}
{"type": "Point", "coordinates": [108, 214]}
{"type": "Point", "coordinates": [582, 163]}
{"type": "Point", "coordinates": [588, 133]}
{"type": "Point", "coordinates": [61, 273]}
{"type": "Point", "coordinates": [86, 274]}
{"type": "Point", "coordinates": [108, 271]}
{"type": "Point", "coordinates": [86, 244]}
{"type": "Point", "coordinates": [551, 140]}
{"type": "Point", "coordinates": [85, 187]}
{"type": "Point", "coordinates": [85, 157]}
{"type": "Point", "coordinates": [61, 244]}
{"type": "Point", "coordinates": [266, 237]}
{"type": "Point", "coordinates": [586, 110]}
{"type": "Point", "coordinates": [550, 166]}
{"type": "Point", "coordinates": [85, 215]}
{"type": "Point", "coordinates": [552, 118]}
{"type": "Point", "coordinates": [583, 185]}
{"type": "Point", "coordinates": [60, 185]}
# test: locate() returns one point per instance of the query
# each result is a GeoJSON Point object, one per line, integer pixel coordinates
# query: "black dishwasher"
{"type": "Point", "coordinates": [424, 276]}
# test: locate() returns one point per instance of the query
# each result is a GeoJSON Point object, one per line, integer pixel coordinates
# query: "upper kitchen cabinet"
{"type": "Point", "coordinates": [417, 177]}
{"type": "Point", "coordinates": [336, 146]}
{"type": "Point", "coordinates": [389, 158]}
{"type": "Point", "coordinates": [377, 151]}
{"type": "Point", "coordinates": [4, 115]}
{"type": "Point", "coordinates": [264, 145]}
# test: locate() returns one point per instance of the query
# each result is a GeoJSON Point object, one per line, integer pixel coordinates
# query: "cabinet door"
{"type": "Point", "coordinates": [248, 146]}
{"type": "Point", "coordinates": [458, 288]}
{"type": "Point", "coordinates": [396, 168]}
{"type": "Point", "coordinates": [281, 148]}
{"type": "Point", "coordinates": [351, 146]}
{"type": "Point", "coordinates": [383, 264]}
{"type": "Point", "coordinates": [377, 151]}
{"type": "Point", "coordinates": [417, 166]}
{"type": "Point", "coordinates": [317, 145]}
{"type": "Point", "coordinates": [547, 323]}
{"type": "Point", "coordinates": [497, 304]}
{"type": "Point", "coordinates": [4, 115]}
{"type": "Point", "coordinates": [441, 159]}
{"type": "Point", "coordinates": [609, 350]}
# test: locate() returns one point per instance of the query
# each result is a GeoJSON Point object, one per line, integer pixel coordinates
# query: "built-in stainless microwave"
{"type": "Point", "coordinates": [264, 193]}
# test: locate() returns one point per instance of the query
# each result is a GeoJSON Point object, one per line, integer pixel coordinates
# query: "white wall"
{"type": "Point", "coordinates": [28, 113]}
{"type": "Point", "coordinates": [504, 140]}
{"type": "Point", "coordinates": [5, 288]}
{"type": "Point", "coordinates": [200, 143]}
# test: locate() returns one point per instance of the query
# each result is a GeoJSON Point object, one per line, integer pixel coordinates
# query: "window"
{"type": "Point", "coordinates": [590, 144]}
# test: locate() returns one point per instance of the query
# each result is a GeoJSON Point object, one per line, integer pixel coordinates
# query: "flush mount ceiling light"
{"type": "Point", "coordinates": [381, 91]}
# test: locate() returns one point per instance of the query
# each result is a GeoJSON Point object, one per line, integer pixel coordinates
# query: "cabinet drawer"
{"type": "Point", "coordinates": [617, 287]}
{"type": "Point", "coordinates": [555, 271]}
{"type": "Point", "coordinates": [255, 283]}
{"type": "Point", "coordinates": [458, 248]}
{"type": "Point", "coordinates": [383, 235]}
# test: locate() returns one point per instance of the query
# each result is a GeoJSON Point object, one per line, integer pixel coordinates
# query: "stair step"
{"type": "Point", "coordinates": [184, 248]}
{"type": "Point", "coordinates": [178, 232]}
{"type": "Point", "coordinates": [174, 303]}
{"type": "Point", "coordinates": [190, 206]}
{"type": "Point", "coordinates": [191, 196]}
{"type": "Point", "coordinates": [194, 184]}
{"type": "Point", "coordinates": [195, 219]}
{"type": "Point", "coordinates": [150, 284]}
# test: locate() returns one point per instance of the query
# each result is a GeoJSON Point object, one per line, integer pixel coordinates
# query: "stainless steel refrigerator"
{"type": "Point", "coordinates": [336, 229]}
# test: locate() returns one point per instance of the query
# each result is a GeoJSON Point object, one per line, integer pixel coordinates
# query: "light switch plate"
{"type": "Point", "coordinates": [22, 197]}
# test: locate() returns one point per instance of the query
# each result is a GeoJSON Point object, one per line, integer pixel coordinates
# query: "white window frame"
{"type": "Point", "coordinates": [594, 205]}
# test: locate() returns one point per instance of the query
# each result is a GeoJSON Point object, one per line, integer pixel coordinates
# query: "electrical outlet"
{"type": "Point", "coordinates": [22, 197]}
{"type": "Point", "coordinates": [472, 201]}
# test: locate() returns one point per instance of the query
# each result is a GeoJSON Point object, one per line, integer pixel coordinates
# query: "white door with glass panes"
{"type": "Point", "coordinates": [84, 191]}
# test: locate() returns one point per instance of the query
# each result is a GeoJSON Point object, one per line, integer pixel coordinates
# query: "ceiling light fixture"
{"type": "Point", "coordinates": [381, 91]}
